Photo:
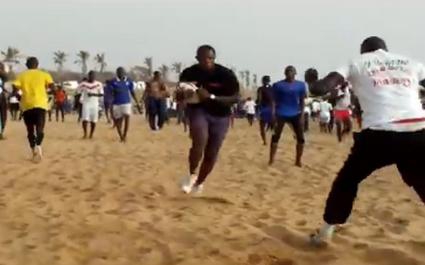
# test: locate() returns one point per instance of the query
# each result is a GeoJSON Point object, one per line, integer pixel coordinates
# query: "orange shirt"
{"type": "Point", "coordinates": [60, 96]}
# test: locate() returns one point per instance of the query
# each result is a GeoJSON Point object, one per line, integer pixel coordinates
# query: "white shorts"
{"type": "Point", "coordinates": [121, 110]}
{"type": "Point", "coordinates": [325, 117]}
{"type": "Point", "coordinates": [90, 113]}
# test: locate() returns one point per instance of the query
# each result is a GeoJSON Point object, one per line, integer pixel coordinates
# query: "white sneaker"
{"type": "Point", "coordinates": [322, 236]}
{"type": "Point", "coordinates": [198, 189]}
{"type": "Point", "coordinates": [38, 153]}
{"type": "Point", "coordinates": [188, 184]}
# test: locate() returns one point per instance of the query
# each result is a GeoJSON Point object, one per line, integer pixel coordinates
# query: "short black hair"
{"type": "Point", "coordinates": [156, 73]}
{"type": "Point", "coordinates": [372, 44]}
{"type": "Point", "coordinates": [311, 74]}
{"type": "Point", "coordinates": [32, 62]}
{"type": "Point", "coordinates": [266, 78]}
{"type": "Point", "coordinates": [205, 47]}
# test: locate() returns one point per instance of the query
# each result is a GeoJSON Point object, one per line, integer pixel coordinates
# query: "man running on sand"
{"type": "Point", "coordinates": [249, 108]}
{"type": "Point", "coordinates": [122, 88]}
{"type": "Point", "coordinates": [393, 130]}
{"type": "Point", "coordinates": [91, 92]}
{"type": "Point", "coordinates": [265, 102]}
{"type": "Point", "coordinates": [3, 100]}
{"type": "Point", "coordinates": [325, 116]}
{"type": "Point", "coordinates": [156, 94]}
{"type": "Point", "coordinates": [34, 84]}
{"type": "Point", "coordinates": [60, 100]}
{"type": "Point", "coordinates": [342, 112]}
{"type": "Point", "coordinates": [289, 101]}
{"type": "Point", "coordinates": [209, 120]}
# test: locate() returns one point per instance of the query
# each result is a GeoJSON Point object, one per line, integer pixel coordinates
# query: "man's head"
{"type": "Point", "coordinates": [91, 76]}
{"type": "Point", "coordinates": [311, 75]}
{"type": "Point", "coordinates": [59, 87]}
{"type": "Point", "coordinates": [290, 73]}
{"type": "Point", "coordinates": [266, 80]}
{"type": "Point", "coordinates": [206, 57]}
{"type": "Point", "coordinates": [157, 75]}
{"type": "Point", "coordinates": [121, 73]}
{"type": "Point", "coordinates": [32, 63]}
{"type": "Point", "coordinates": [372, 44]}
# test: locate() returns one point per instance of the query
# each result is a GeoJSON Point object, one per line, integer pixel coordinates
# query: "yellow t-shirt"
{"type": "Point", "coordinates": [33, 84]}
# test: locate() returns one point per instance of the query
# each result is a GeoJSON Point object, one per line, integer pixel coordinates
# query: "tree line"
{"type": "Point", "coordinates": [12, 57]}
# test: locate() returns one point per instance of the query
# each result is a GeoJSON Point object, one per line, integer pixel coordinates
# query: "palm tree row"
{"type": "Point", "coordinates": [12, 56]}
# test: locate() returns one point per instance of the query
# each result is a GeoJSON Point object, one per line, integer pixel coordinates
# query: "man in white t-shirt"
{"type": "Point", "coordinates": [386, 85]}
{"type": "Point", "coordinates": [325, 116]}
{"type": "Point", "coordinates": [91, 91]}
{"type": "Point", "coordinates": [249, 107]}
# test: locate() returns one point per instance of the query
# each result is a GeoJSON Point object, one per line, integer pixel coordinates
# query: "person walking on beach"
{"type": "Point", "coordinates": [3, 101]}
{"type": "Point", "coordinates": [288, 107]}
{"type": "Point", "coordinates": [250, 108]}
{"type": "Point", "coordinates": [342, 112]}
{"type": "Point", "coordinates": [60, 100]}
{"type": "Point", "coordinates": [91, 92]}
{"type": "Point", "coordinates": [156, 94]}
{"type": "Point", "coordinates": [209, 120]}
{"type": "Point", "coordinates": [122, 89]}
{"type": "Point", "coordinates": [34, 84]}
{"type": "Point", "coordinates": [387, 86]}
{"type": "Point", "coordinates": [265, 102]}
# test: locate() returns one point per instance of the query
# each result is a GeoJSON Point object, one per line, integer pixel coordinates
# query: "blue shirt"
{"type": "Point", "coordinates": [121, 90]}
{"type": "Point", "coordinates": [287, 97]}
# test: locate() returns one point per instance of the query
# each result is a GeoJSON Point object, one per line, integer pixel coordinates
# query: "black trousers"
{"type": "Point", "coordinates": [35, 119]}
{"type": "Point", "coordinates": [373, 150]}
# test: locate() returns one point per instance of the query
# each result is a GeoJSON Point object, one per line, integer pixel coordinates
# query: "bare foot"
{"type": "Point", "coordinates": [298, 164]}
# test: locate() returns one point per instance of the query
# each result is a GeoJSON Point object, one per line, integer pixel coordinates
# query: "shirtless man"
{"type": "Point", "coordinates": [156, 94]}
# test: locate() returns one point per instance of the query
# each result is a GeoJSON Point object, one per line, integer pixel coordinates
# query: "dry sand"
{"type": "Point", "coordinates": [102, 202]}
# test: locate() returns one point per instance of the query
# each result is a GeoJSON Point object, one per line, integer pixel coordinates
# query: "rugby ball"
{"type": "Point", "coordinates": [189, 91]}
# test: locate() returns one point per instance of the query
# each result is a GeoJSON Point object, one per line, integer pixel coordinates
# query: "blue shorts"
{"type": "Point", "coordinates": [266, 114]}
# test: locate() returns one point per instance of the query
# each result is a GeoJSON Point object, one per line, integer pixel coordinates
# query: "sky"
{"type": "Point", "coordinates": [263, 36]}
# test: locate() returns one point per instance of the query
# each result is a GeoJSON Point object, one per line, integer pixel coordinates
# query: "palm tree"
{"type": "Point", "coordinates": [241, 76]}
{"type": "Point", "coordinates": [101, 61]}
{"type": "Point", "coordinates": [164, 69]}
{"type": "Point", "coordinates": [149, 65]}
{"type": "Point", "coordinates": [11, 56]}
{"type": "Point", "coordinates": [59, 58]}
{"type": "Point", "coordinates": [177, 68]}
{"type": "Point", "coordinates": [83, 57]}
{"type": "Point", "coordinates": [255, 79]}
{"type": "Point", "coordinates": [248, 78]}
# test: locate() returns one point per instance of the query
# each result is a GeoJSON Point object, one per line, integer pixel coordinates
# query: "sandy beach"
{"type": "Point", "coordinates": [102, 202]}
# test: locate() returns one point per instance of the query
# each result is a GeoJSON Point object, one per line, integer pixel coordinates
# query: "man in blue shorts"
{"type": "Point", "coordinates": [288, 107]}
{"type": "Point", "coordinates": [265, 103]}
{"type": "Point", "coordinates": [121, 88]}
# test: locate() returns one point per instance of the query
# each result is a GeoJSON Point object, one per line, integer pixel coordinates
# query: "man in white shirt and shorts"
{"type": "Point", "coordinates": [91, 92]}
{"type": "Point", "coordinates": [325, 116]}
{"type": "Point", "coordinates": [387, 86]}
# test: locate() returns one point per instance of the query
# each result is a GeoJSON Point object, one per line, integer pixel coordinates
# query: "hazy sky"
{"type": "Point", "coordinates": [263, 35]}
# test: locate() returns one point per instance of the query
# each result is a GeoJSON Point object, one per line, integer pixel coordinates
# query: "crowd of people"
{"type": "Point", "coordinates": [379, 89]}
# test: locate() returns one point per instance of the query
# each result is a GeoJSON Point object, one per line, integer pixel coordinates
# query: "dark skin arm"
{"type": "Point", "coordinates": [232, 83]}
{"type": "Point", "coordinates": [327, 84]}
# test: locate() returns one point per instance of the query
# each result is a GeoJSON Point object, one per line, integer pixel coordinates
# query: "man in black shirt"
{"type": "Point", "coordinates": [265, 101]}
{"type": "Point", "coordinates": [208, 120]}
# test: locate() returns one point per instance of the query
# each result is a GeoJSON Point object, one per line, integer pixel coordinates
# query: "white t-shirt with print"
{"type": "Point", "coordinates": [250, 107]}
{"type": "Point", "coordinates": [387, 86]}
{"type": "Point", "coordinates": [87, 88]}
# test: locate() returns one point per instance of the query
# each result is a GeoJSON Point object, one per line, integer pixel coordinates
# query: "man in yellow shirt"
{"type": "Point", "coordinates": [34, 84]}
